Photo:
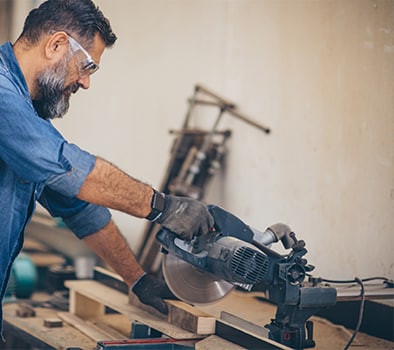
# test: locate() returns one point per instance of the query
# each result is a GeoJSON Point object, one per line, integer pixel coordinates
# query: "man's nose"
{"type": "Point", "coordinates": [84, 82]}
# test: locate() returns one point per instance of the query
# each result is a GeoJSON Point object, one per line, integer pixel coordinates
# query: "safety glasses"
{"type": "Point", "coordinates": [87, 65]}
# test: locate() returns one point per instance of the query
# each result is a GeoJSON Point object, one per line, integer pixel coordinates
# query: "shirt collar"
{"type": "Point", "coordinates": [9, 62]}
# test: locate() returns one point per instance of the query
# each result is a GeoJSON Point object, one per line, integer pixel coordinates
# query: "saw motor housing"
{"type": "Point", "coordinates": [236, 261]}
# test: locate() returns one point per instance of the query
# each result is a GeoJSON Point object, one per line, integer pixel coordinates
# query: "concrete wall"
{"type": "Point", "coordinates": [319, 73]}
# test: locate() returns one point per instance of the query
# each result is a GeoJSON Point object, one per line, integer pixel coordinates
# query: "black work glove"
{"type": "Point", "coordinates": [186, 217]}
{"type": "Point", "coordinates": [151, 291]}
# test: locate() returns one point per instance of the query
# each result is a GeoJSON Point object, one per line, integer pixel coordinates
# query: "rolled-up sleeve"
{"type": "Point", "coordinates": [77, 164]}
{"type": "Point", "coordinates": [81, 217]}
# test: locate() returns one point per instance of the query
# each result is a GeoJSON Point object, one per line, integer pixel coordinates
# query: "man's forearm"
{"type": "Point", "coordinates": [110, 187]}
{"type": "Point", "coordinates": [110, 245]}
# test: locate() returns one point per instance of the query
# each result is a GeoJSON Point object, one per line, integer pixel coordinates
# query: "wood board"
{"type": "Point", "coordinates": [190, 318]}
{"type": "Point", "coordinates": [89, 298]}
{"type": "Point", "coordinates": [214, 342]}
{"type": "Point", "coordinates": [59, 337]}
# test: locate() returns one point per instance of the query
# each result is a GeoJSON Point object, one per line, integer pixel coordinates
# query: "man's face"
{"type": "Point", "coordinates": [56, 83]}
{"type": "Point", "coordinates": [54, 95]}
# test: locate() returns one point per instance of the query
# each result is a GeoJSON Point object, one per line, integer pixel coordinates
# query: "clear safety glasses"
{"type": "Point", "coordinates": [87, 65]}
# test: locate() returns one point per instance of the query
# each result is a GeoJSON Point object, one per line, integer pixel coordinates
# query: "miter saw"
{"type": "Point", "coordinates": [235, 255]}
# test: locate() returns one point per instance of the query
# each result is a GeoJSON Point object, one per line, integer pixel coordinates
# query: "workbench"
{"type": "Point", "coordinates": [90, 302]}
{"type": "Point", "coordinates": [33, 331]}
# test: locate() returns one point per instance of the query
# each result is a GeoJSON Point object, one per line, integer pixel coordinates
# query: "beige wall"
{"type": "Point", "coordinates": [319, 73]}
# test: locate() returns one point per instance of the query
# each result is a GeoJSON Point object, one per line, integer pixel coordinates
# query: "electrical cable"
{"type": "Point", "coordinates": [361, 313]}
{"type": "Point", "coordinates": [362, 302]}
{"type": "Point", "coordinates": [384, 279]}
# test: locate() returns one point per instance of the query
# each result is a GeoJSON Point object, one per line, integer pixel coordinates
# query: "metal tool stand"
{"type": "Point", "coordinates": [196, 156]}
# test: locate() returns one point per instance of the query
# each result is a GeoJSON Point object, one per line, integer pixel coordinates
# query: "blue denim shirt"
{"type": "Point", "coordinates": [36, 163]}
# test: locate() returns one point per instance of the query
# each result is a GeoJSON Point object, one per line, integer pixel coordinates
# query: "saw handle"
{"type": "Point", "coordinates": [168, 238]}
{"type": "Point", "coordinates": [230, 225]}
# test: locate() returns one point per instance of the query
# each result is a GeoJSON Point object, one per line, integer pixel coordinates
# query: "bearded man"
{"type": "Point", "coordinates": [60, 47]}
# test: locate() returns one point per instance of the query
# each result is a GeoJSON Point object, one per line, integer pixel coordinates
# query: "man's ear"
{"type": "Point", "coordinates": [56, 45]}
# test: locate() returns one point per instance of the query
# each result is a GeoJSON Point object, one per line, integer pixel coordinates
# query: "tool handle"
{"type": "Point", "coordinates": [168, 238]}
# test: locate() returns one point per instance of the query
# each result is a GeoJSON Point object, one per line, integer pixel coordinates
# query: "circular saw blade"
{"type": "Point", "coordinates": [191, 284]}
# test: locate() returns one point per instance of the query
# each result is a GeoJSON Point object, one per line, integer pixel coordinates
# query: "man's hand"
{"type": "Point", "coordinates": [186, 217]}
{"type": "Point", "coordinates": [151, 291]}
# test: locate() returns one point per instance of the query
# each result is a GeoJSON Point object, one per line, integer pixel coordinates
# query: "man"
{"type": "Point", "coordinates": [60, 47]}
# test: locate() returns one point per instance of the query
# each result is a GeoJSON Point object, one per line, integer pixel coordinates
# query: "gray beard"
{"type": "Point", "coordinates": [54, 97]}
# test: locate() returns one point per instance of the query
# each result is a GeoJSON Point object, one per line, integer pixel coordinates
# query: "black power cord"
{"type": "Point", "coordinates": [359, 281]}
{"type": "Point", "coordinates": [360, 314]}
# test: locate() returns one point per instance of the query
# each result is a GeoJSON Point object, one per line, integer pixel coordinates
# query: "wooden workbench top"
{"type": "Point", "coordinates": [58, 337]}
{"type": "Point", "coordinates": [246, 305]}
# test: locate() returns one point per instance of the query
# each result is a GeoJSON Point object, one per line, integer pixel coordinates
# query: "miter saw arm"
{"type": "Point", "coordinates": [237, 253]}
{"type": "Point", "coordinates": [234, 254]}
{"type": "Point", "coordinates": [227, 253]}
{"type": "Point", "coordinates": [226, 258]}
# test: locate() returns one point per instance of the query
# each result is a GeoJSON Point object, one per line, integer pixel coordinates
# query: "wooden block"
{"type": "Point", "coordinates": [83, 306]}
{"type": "Point", "coordinates": [53, 322]}
{"type": "Point", "coordinates": [190, 318]}
{"type": "Point", "coordinates": [25, 310]}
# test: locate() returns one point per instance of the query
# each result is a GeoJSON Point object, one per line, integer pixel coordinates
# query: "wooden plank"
{"type": "Point", "coordinates": [46, 259]}
{"type": "Point", "coordinates": [244, 324]}
{"type": "Point", "coordinates": [216, 343]}
{"type": "Point", "coordinates": [31, 245]}
{"type": "Point", "coordinates": [190, 318]}
{"type": "Point", "coordinates": [110, 279]}
{"type": "Point", "coordinates": [89, 330]}
{"type": "Point", "coordinates": [119, 302]}
{"type": "Point", "coordinates": [111, 332]}
{"type": "Point", "coordinates": [118, 322]}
